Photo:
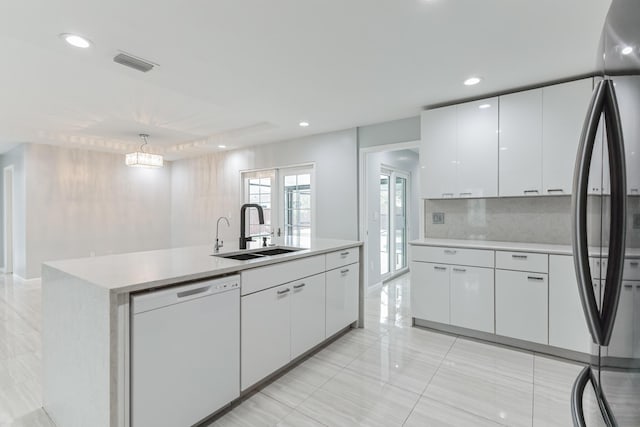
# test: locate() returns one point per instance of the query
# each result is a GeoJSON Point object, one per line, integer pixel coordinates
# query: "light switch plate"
{"type": "Point", "coordinates": [437, 218]}
{"type": "Point", "coordinates": [636, 221]}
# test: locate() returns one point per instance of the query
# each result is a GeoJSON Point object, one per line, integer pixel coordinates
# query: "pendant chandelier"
{"type": "Point", "coordinates": [140, 159]}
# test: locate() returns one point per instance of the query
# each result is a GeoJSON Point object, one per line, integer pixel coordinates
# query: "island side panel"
{"type": "Point", "coordinates": [75, 350]}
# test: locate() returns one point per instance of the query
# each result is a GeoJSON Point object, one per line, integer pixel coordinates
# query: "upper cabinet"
{"type": "Point", "coordinates": [438, 158]}
{"type": "Point", "coordinates": [628, 94]}
{"type": "Point", "coordinates": [520, 169]}
{"type": "Point", "coordinates": [520, 144]}
{"type": "Point", "coordinates": [459, 151]}
{"type": "Point", "coordinates": [564, 107]}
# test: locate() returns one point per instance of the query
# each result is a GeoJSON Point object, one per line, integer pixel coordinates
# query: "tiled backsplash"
{"type": "Point", "coordinates": [517, 219]}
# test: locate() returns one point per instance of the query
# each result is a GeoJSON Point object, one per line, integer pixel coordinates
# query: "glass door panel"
{"type": "Point", "coordinates": [400, 222]}
{"type": "Point", "coordinates": [297, 207]}
{"type": "Point", "coordinates": [385, 223]}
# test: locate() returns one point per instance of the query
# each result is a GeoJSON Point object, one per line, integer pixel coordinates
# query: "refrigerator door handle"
{"type": "Point", "coordinates": [579, 212]}
{"type": "Point", "coordinates": [577, 393]}
{"type": "Point", "coordinates": [618, 216]}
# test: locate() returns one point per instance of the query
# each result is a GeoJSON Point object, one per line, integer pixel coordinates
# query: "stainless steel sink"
{"type": "Point", "coordinates": [241, 257]}
{"type": "Point", "coordinates": [276, 251]}
{"type": "Point", "coordinates": [258, 253]}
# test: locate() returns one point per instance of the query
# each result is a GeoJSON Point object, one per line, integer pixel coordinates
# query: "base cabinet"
{"type": "Point", "coordinates": [307, 314]}
{"type": "Point", "coordinates": [430, 291]}
{"type": "Point", "coordinates": [522, 305]}
{"type": "Point", "coordinates": [265, 343]}
{"type": "Point", "coordinates": [567, 323]}
{"type": "Point", "coordinates": [472, 297]}
{"type": "Point", "coordinates": [341, 298]}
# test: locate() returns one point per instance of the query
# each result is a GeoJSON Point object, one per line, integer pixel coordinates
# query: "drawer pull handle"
{"type": "Point", "coordinates": [531, 191]}
{"type": "Point", "coordinates": [540, 279]}
{"type": "Point", "coordinates": [633, 263]}
{"type": "Point", "coordinates": [435, 267]}
{"type": "Point", "coordinates": [634, 190]}
{"type": "Point", "coordinates": [300, 286]}
{"type": "Point", "coordinates": [461, 270]}
{"type": "Point", "coordinates": [345, 271]}
{"type": "Point", "coordinates": [344, 254]}
{"type": "Point", "coordinates": [447, 194]}
{"type": "Point", "coordinates": [519, 256]}
{"type": "Point", "coordinates": [450, 252]}
{"type": "Point", "coordinates": [466, 194]}
{"type": "Point", "coordinates": [193, 292]}
{"type": "Point", "coordinates": [284, 291]}
{"type": "Point", "coordinates": [628, 285]}
{"type": "Point", "coordinates": [555, 190]}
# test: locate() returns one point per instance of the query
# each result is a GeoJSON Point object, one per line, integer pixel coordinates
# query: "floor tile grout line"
{"type": "Point", "coordinates": [430, 379]}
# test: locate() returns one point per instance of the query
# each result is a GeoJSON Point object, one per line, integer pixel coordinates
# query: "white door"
{"type": "Point", "coordinates": [564, 107]}
{"type": "Point", "coordinates": [296, 217]}
{"type": "Point", "coordinates": [477, 152]}
{"type": "Point", "coordinates": [8, 219]}
{"type": "Point", "coordinates": [438, 153]}
{"type": "Point", "coordinates": [472, 297]}
{"type": "Point", "coordinates": [430, 291]}
{"type": "Point", "coordinates": [522, 305]}
{"type": "Point", "coordinates": [265, 338]}
{"type": "Point", "coordinates": [307, 314]}
{"type": "Point", "coordinates": [520, 165]}
{"type": "Point", "coordinates": [394, 209]}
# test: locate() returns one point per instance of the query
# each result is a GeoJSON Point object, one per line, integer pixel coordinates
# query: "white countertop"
{"type": "Point", "coordinates": [142, 270]}
{"type": "Point", "coordinates": [545, 248]}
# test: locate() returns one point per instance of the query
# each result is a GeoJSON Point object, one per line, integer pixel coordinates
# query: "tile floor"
{"type": "Point", "coordinates": [388, 374]}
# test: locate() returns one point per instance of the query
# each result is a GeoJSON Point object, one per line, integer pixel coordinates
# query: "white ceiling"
{"type": "Point", "coordinates": [241, 72]}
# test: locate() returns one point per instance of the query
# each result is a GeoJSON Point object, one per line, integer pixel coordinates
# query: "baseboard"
{"type": "Point", "coordinates": [32, 280]}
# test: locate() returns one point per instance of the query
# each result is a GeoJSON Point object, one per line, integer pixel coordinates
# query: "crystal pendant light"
{"type": "Point", "coordinates": [140, 159]}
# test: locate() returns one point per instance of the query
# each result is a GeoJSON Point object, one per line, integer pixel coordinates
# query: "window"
{"type": "Point", "coordinates": [288, 206]}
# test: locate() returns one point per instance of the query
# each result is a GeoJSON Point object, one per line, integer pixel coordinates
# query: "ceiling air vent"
{"type": "Point", "coordinates": [133, 62]}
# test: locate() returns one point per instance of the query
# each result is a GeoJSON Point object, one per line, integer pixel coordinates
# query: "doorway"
{"type": "Point", "coordinates": [393, 221]}
{"type": "Point", "coordinates": [8, 219]}
{"type": "Point", "coordinates": [390, 208]}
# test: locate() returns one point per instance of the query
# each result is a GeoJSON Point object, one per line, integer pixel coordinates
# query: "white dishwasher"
{"type": "Point", "coordinates": [185, 352]}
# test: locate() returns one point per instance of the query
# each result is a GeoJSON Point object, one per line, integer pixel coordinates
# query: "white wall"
{"type": "Point", "coordinates": [15, 157]}
{"type": "Point", "coordinates": [207, 187]}
{"type": "Point", "coordinates": [404, 160]}
{"type": "Point", "coordinates": [82, 202]}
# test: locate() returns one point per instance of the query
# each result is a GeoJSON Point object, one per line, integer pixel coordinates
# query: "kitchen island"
{"type": "Point", "coordinates": [87, 315]}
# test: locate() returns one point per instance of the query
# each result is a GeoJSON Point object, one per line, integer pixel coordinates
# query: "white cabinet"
{"type": "Point", "coordinates": [520, 163]}
{"type": "Point", "coordinates": [459, 150]}
{"type": "Point", "coordinates": [438, 153]}
{"type": "Point", "coordinates": [567, 324]}
{"type": "Point", "coordinates": [564, 107]}
{"type": "Point", "coordinates": [430, 291]}
{"type": "Point", "coordinates": [472, 297]}
{"type": "Point", "coordinates": [628, 94]}
{"type": "Point", "coordinates": [265, 338]}
{"type": "Point", "coordinates": [477, 152]}
{"type": "Point", "coordinates": [624, 330]}
{"type": "Point", "coordinates": [522, 305]}
{"type": "Point", "coordinates": [307, 314]}
{"type": "Point", "coordinates": [341, 298]}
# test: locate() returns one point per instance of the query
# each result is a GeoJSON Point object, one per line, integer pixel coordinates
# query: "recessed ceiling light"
{"type": "Point", "coordinates": [76, 40]}
{"type": "Point", "coordinates": [222, 146]}
{"type": "Point", "coordinates": [483, 106]}
{"type": "Point", "coordinates": [627, 50]}
{"type": "Point", "coordinates": [303, 124]}
{"type": "Point", "coordinates": [472, 81]}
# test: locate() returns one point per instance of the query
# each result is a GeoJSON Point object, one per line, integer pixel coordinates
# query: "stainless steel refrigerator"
{"type": "Point", "coordinates": [606, 228]}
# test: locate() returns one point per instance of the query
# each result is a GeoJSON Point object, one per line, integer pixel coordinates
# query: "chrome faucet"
{"type": "Point", "coordinates": [220, 243]}
{"type": "Point", "coordinates": [243, 238]}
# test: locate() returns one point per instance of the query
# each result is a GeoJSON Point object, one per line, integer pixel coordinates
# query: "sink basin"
{"type": "Point", "coordinates": [241, 257]}
{"type": "Point", "coordinates": [244, 256]}
{"type": "Point", "coordinates": [275, 251]}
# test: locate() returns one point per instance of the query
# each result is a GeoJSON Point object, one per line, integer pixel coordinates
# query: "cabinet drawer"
{"type": "Point", "coordinates": [257, 279]}
{"type": "Point", "coordinates": [522, 261]}
{"type": "Point", "coordinates": [458, 256]}
{"type": "Point", "coordinates": [344, 257]}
